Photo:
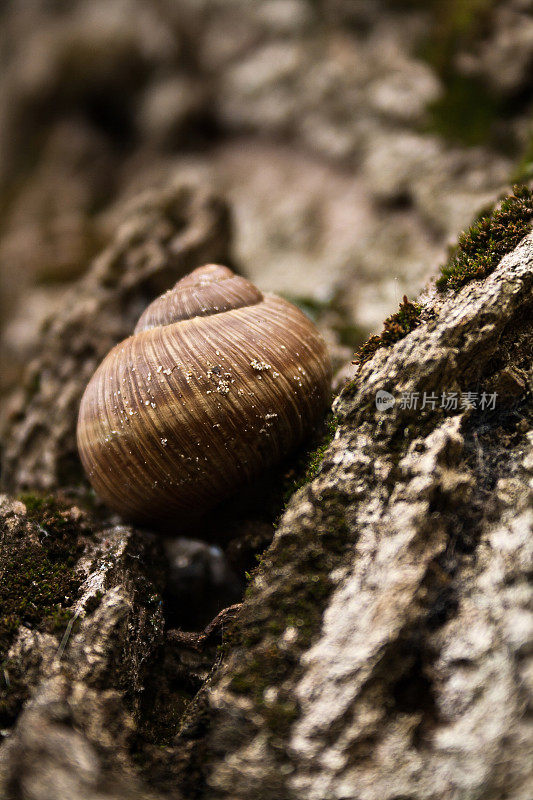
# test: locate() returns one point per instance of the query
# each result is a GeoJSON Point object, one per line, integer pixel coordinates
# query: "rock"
{"type": "Point", "coordinates": [306, 117]}
{"type": "Point", "coordinates": [173, 112]}
{"type": "Point", "coordinates": [383, 648]}
{"type": "Point", "coordinates": [504, 56]}
{"type": "Point", "coordinates": [383, 644]}
{"type": "Point", "coordinates": [49, 236]}
{"type": "Point", "coordinates": [81, 682]}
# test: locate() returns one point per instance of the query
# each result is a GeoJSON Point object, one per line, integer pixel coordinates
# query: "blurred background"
{"type": "Point", "coordinates": [352, 140]}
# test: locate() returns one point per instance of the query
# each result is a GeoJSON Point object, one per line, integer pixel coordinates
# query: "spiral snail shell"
{"type": "Point", "coordinates": [217, 382]}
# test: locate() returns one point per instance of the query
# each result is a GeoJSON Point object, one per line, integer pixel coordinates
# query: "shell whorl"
{"type": "Point", "coordinates": [208, 290]}
{"type": "Point", "coordinates": [217, 383]}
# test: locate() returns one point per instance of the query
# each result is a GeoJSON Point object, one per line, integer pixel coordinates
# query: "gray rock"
{"type": "Point", "coordinates": [335, 92]}
{"type": "Point", "coordinates": [384, 647]}
{"type": "Point", "coordinates": [74, 692]}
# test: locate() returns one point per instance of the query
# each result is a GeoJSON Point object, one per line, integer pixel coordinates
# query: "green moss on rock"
{"type": "Point", "coordinates": [274, 627]}
{"type": "Point", "coordinates": [494, 233]}
{"type": "Point", "coordinates": [37, 579]}
{"type": "Point", "coordinates": [308, 463]}
{"type": "Point", "coordinates": [395, 327]}
{"type": "Point", "coordinates": [491, 236]}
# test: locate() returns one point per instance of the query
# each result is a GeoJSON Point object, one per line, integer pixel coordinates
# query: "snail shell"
{"type": "Point", "coordinates": [218, 382]}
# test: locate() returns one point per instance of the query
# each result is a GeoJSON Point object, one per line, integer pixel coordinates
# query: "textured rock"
{"type": "Point", "coordinates": [383, 646]}
{"type": "Point", "coordinates": [383, 649]}
{"type": "Point", "coordinates": [307, 116]}
{"type": "Point", "coordinates": [79, 684]}
{"type": "Point", "coordinates": [504, 56]}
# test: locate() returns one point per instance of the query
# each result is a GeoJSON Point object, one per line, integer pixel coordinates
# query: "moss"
{"type": "Point", "coordinates": [38, 506]}
{"type": "Point", "coordinates": [37, 587]}
{"type": "Point", "coordinates": [307, 465]}
{"type": "Point", "coordinates": [395, 327]}
{"type": "Point", "coordinates": [58, 620]}
{"type": "Point", "coordinates": [316, 456]}
{"type": "Point", "coordinates": [493, 234]}
{"type": "Point", "coordinates": [37, 583]}
{"type": "Point", "coordinates": [294, 603]}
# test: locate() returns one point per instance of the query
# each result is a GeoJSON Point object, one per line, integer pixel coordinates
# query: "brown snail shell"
{"type": "Point", "coordinates": [217, 383]}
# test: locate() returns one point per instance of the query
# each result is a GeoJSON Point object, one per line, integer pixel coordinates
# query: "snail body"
{"type": "Point", "coordinates": [217, 383]}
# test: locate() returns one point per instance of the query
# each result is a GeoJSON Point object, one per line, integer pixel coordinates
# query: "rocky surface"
{"type": "Point", "coordinates": [383, 644]}
{"type": "Point", "coordinates": [381, 649]}
{"type": "Point", "coordinates": [66, 683]}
